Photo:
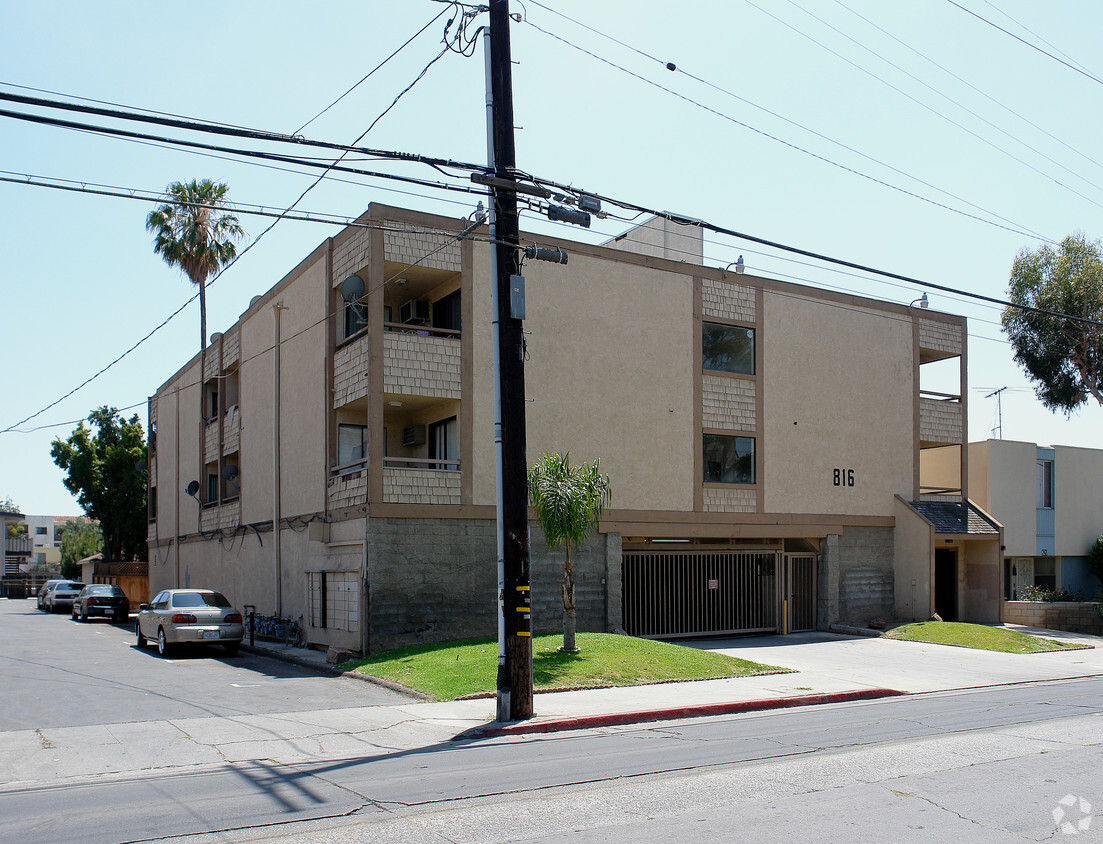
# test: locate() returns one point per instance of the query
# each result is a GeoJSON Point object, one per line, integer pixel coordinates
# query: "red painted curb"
{"type": "Point", "coordinates": [670, 714]}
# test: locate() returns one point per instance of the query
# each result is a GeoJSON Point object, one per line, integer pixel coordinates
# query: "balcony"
{"type": "Point", "coordinates": [421, 481]}
{"type": "Point", "coordinates": [940, 419]}
{"type": "Point", "coordinates": [421, 361]}
{"type": "Point", "coordinates": [939, 340]}
{"type": "Point", "coordinates": [348, 485]}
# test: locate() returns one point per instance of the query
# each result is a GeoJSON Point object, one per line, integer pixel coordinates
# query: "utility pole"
{"type": "Point", "coordinates": [514, 684]}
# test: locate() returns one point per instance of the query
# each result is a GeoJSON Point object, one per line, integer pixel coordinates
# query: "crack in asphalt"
{"type": "Point", "coordinates": [950, 811]}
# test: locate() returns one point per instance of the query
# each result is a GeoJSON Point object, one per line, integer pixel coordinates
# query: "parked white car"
{"type": "Point", "coordinates": [189, 616]}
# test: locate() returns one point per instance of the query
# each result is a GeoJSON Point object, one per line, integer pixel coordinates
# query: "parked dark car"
{"type": "Point", "coordinates": [42, 593]}
{"type": "Point", "coordinates": [101, 599]}
{"type": "Point", "coordinates": [61, 595]}
{"type": "Point", "coordinates": [189, 616]}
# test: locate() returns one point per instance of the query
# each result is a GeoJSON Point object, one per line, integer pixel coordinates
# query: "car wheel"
{"type": "Point", "coordinates": [232, 648]}
{"type": "Point", "coordinates": [142, 641]}
{"type": "Point", "coordinates": [83, 614]}
{"type": "Point", "coordinates": [73, 613]}
{"type": "Point", "coordinates": [163, 647]}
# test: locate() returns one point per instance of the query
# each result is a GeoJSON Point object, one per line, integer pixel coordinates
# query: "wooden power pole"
{"type": "Point", "coordinates": [515, 627]}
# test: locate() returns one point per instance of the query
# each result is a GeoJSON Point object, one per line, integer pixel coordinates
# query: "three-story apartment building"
{"type": "Point", "coordinates": [763, 440]}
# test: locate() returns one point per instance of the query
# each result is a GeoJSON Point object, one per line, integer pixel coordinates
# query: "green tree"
{"type": "Point", "coordinates": [79, 539]}
{"type": "Point", "coordinates": [193, 231]}
{"type": "Point", "coordinates": [15, 529]}
{"type": "Point", "coordinates": [1063, 357]}
{"type": "Point", "coordinates": [568, 502]}
{"type": "Point", "coordinates": [1095, 559]}
{"type": "Point", "coordinates": [102, 471]}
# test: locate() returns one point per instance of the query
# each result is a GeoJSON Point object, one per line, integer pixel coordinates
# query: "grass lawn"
{"type": "Point", "coordinates": [459, 669]}
{"type": "Point", "coordinates": [978, 636]}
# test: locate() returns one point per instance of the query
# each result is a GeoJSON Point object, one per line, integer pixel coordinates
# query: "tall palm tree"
{"type": "Point", "coordinates": [193, 231]}
{"type": "Point", "coordinates": [568, 502]}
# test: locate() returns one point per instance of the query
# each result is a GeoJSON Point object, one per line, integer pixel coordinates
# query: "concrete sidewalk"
{"type": "Point", "coordinates": [828, 667]}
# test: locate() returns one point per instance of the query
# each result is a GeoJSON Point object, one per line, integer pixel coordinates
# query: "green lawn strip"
{"type": "Point", "coordinates": [459, 669]}
{"type": "Point", "coordinates": [978, 636]}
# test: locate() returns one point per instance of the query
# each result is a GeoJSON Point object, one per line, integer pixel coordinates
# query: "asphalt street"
{"type": "Point", "coordinates": [61, 673]}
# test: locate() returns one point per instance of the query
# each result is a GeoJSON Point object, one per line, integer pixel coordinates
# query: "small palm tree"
{"type": "Point", "coordinates": [568, 502]}
{"type": "Point", "coordinates": [192, 231]}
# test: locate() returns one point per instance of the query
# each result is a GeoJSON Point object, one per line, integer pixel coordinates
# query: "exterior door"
{"type": "Point", "coordinates": [1022, 575]}
{"type": "Point", "coordinates": [945, 583]}
{"type": "Point", "coordinates": [801, 592]}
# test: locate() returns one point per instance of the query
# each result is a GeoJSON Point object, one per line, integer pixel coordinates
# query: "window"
{"type": "Point", "coordinates": [212, 488]}
{"type": "Point", "coordinates": [727, 348]}
{"type": "Point", "coordinates": [728, 460]}
{"type": "Point", "coordinates": [446, 312]}
{"type": "Point", "coordinates": [444, 442]}
{"type": "Point", "coordinates": [356, 318]}
{"type": "Point", "coordinates": [40, 531]}
{"type": "Point", "coordinates": [1045, 484]}
{"type": "Point", "coordinates": [352, 446]}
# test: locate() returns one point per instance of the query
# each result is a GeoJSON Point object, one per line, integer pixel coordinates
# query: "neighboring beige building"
{"type": "Point", "coordinates": [1050, 500]}
{"type": "Point", "coordinates": [763, 440]}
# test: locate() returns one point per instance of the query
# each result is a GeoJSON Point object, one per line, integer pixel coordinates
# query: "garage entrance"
{"type": "Point", "coordinates": [696, 593]}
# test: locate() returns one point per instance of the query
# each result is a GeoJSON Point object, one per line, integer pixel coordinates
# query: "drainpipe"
{"type": "Point", "coordinates": [278, 561]}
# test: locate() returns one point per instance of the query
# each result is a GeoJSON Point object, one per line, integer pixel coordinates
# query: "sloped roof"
{"type": "Point", "coordinates": [955, 517]}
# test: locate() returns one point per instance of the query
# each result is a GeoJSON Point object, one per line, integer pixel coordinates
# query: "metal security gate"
{"type": "Point", "coordinates": [801, 593]}
{"type": "Point", "coordinates": [694, 593]}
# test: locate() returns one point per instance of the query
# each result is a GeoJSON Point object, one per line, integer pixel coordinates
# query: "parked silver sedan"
{"type": "Point", "coordinates": [60, 596]}
{"type": "Point", "coordinates": [189, 616]}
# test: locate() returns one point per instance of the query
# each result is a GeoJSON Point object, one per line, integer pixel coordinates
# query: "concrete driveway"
{"type": "Point", "coordinates": [832, 660]}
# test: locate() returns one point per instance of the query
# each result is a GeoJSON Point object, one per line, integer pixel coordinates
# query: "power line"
{"type": "Point", "coordinates": [193, 125]}
{"type": "Point", "coordinates": [1014, 228]}
{"type": "Point", "coordinates": [128, 135]}
{"type": "Point", "coordinates": [1084, 73]}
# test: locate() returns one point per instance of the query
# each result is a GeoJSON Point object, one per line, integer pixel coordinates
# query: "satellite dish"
{"type": "Point", "coordinates": [352, 288]}
{"type": "Point", "coordinates": [230, 472]}
{"type": "Point", "coordinates": [192, 488]}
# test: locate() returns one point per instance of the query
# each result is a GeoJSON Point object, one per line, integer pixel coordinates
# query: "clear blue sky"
{"type": "Point", "coordinates": [786, 127]}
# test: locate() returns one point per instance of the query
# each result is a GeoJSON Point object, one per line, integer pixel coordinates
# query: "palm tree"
{"type": "Point", "coordinates": [568, 502]}
{"type": "Point", "coordinates": [193, 231]}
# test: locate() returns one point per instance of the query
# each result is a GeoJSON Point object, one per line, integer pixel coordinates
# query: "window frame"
{"type": "Point", "coordinates": [718, 478]}
{"type": "Point", "coordinates": [747, 358]}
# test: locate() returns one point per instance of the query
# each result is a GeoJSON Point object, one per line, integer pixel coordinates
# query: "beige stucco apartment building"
{"type": "Point", "coordinates": [763, 440]}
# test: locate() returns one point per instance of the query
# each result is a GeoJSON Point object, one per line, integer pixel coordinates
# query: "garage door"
{"type": "Point", "coordinates": [694, 593]}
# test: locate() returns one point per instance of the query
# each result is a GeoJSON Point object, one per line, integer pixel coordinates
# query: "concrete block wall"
{"type": "Point", "coordinates": [434, 580]}
{"type": "Point", "coordinates": [350, 372]}
{"type": "Point", "coordinates": [730, 500]}
{"type": "Point", "coordinates": [856, 577]}
{"type": "Point", "coordinates": [421, 486]}
{"type": "Point", "coordinates": [728, 403]}
{"type": "Point", "coordinates": [727, 301]}
{"type": "Point", "coordinates": [940, 336]}
{"type": "Point", "coordinates": [940, 421]}
{"type": "Point", "coordinates": [1077, 617]}
{"type": "Point", "coordinates": [419, 246]}
{"type": "Point", "coordinates": [424, 366]}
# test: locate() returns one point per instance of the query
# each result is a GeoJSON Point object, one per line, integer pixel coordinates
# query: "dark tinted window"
{"type": "Point", "coordinates": [199, 599]}
{"type": "Point", "coordinates": [727, 348]}
{"type": "Point", "coordinates": [69, 584]}
{"type": "Point", "coordinates": [728, 460]}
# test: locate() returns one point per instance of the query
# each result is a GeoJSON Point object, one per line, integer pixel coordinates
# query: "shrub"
{"type": "Point", "coordinates": [1043, 593]}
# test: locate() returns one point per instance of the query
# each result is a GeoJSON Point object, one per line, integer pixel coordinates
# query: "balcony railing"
{"type": "Point", "coordinates": [940, 418]}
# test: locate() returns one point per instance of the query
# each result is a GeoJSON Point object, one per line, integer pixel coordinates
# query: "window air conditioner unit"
{"type": "Point", "coordinates": [414, 312]}
{"type": "Point", "coordinates": [413, 435]}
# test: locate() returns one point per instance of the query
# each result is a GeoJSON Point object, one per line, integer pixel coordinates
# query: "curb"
{"type": "Point", "coordinates": [674, 713]}
{"type": "Point", "coordinates": [301, 662]}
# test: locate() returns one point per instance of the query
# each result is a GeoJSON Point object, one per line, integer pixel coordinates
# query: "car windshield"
{"type": "Point", "coordinates": [199, 599]}
{"type": "Point", "coordinates": [69, 585]}
{"type": "Point", "coordinates": [105, 590]}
